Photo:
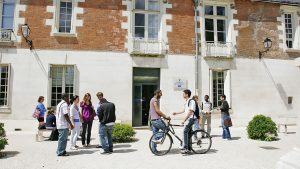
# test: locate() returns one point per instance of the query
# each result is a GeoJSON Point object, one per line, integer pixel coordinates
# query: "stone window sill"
{"type": "Point", "coordinates": [67, 35]}
{"type": "Point", "coordinates": [293, 50]}
{"type": "Point", "coordinates": [7, 43]}
{"type": "Point", "coordinates": [5, 110]}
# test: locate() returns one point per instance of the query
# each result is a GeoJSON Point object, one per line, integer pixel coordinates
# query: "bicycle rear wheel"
{"type": "Point", "coordinates": [160, 143]}
{"type": "Point", "coordinates": [200, 142]}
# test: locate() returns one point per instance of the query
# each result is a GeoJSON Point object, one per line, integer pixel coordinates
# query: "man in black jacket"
{"type": "Point", "coordinates": [225, 116]}
{"type": "Point", "coordinates": [107, 118]}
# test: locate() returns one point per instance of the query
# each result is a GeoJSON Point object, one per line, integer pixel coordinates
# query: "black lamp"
{"type": "Point", "coordinates": [25, 32]}
{"type": "Point", "coordinates": [267, 45]}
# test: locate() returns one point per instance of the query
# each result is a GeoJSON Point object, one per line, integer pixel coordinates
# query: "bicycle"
{"type": "Point", "coordinates": [161, 142]}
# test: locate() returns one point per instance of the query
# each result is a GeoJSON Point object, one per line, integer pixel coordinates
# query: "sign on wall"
{"type": "Point", "coordinates": [180, 84]}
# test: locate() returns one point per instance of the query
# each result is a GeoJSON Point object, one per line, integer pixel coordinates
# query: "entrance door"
{"type": "Point", "coordinates": [145, 82]}
{"type": "Point", "coordinates": [142, 96]}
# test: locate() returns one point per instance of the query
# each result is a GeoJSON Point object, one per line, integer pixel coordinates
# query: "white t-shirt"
{"type": "Point", "coordinates": [191, 106]}
{"type": "Point", "coordinates": [74, 112]}
{"type": "Point", "coordinates": [207, 106]}
{"type": "Point", "coordinates": [61, 110]}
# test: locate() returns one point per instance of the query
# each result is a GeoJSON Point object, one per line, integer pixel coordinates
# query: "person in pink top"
{"type": "Point", "coordinates": [156, 116]}
{"type": "Point", "coordinates": [88, 114]}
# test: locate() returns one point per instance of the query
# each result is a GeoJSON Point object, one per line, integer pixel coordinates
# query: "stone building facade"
{"type": "Point", "coordinates": [129, 48]}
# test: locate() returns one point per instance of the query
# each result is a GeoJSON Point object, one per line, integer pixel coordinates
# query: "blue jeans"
{"type": "Point", "coordinates": [106, 137]}
{"type": "Point", "coordinates": [156, 126]}
{"type": "Point", "coordinates": [62, 141]}
{"type": "Point", "coordinates": [186, 130]}
{"type": "Point", "coordinates": [226, 131]}
{"type": "Point", "coordinates": [99, 132]}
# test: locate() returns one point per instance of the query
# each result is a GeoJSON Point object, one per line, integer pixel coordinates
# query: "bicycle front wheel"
{"type": "Point", "coordinates": [200, 142]}
{"type": "Point", "coordinates": [160, 143]}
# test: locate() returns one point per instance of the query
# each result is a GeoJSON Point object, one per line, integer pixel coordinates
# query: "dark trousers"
{"type": "Point", "coordinates": [86, 128]}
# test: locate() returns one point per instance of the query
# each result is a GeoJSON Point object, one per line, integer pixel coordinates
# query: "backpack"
{"type": "Point", "coordinates": [197, 111]}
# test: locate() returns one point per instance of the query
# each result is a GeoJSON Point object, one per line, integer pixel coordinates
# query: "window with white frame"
{"type": "Point", "coordinates": [4, 85]}
{"type": "Point", "coordinates": [146, 19]}
{"type": "Point", "coordinates": [7, 14]}
{"type": "Point", "coordinates": [62, 81]}
{"type": "Point", "coordinates": [288, 20]}
{"type": "Point", "coordinates": [65, 16]}
{"type": "Point", "coordinates": [215, 23]}
{"type": "Point", "coordinates": [218, 87]}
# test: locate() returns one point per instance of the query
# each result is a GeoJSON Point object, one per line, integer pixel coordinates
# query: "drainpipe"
{"type": "Point", "coordinates": [197, 47]}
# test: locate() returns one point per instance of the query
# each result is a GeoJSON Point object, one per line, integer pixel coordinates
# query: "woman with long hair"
{"type": "Point", "coordinates": [88, 113]}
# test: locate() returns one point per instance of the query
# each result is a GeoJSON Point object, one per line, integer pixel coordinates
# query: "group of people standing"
{"type": "Point", "coordinates": [74, 115]}
{"type": "Point", "coordinates": [191, 106]}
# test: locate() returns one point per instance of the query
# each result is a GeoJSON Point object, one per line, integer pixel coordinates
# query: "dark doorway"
{"type": "Point", "coordinates": [145, 82]}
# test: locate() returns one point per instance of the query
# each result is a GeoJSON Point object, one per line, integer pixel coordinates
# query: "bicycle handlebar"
{"type": "Point", "coordinates": [176, 125]}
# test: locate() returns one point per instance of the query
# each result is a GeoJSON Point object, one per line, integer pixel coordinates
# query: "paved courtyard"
{"type": "Point", "coordinates": [23, 152]}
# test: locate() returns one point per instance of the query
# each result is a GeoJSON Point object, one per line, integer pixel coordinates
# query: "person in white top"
{"type": "Point", "coordinates": [76, 121]}
{"type": "Point", "coordinates": [189, 120]}
{"type": "Point", "coordinates": [206, 107]}
{"type": "Point", "coordinates": [62, 124]}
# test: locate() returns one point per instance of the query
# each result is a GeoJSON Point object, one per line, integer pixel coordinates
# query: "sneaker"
{"type": "Point", "coordinates": [76, 146]}
{"type": "Point", "coordinates": [98, 146]}
{"type": "Point", "coordinates": [88, 145]}
{"type": "Point", "coordinates": [184, 151]}
{"type": "Point", "coordinates": [156, 141]}
{"type": "Point", "coordinates": [84, 145]}
{"type": "Point", "coordinates": [73, 148]}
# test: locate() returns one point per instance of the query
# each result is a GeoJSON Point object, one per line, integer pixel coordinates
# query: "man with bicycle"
{"type": "Point", "coordinates": [155, 114]}
{"type": "Point", "coordinates": [189, 109]}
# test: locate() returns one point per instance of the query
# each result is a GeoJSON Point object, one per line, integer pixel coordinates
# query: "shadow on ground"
{"type": "Point", "coordinates": [80, 152]}
{"type": "Point", "coordinates": [235, 138]}
{"type": "Point", "coordinates": [8, 154]}
{"type": "Point", "coordinates": [122, 146]}
{"type": "Point", "coordinates": [125, 151]}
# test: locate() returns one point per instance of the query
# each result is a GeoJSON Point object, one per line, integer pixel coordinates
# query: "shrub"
{"type": "Point", "coordinates": [3, 140]}
{"type": "Point", "coordinates": [262, 128]}
{"type": "Point", "coordinates": [123, 133]}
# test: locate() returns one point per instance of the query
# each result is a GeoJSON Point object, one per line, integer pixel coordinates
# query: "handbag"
{"type": "Point", "coordinates": [228, 122]}
{"type": "Point", "coordinates": [36, 114]}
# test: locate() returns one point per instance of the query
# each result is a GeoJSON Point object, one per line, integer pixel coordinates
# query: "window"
{"type": "Point", "coordinates": [4, 84]}
{"type": "Point", "coordinates": [288, 30]}
{"type": "Point", "coordinates": [62, 81]}
{"type": "Point", "coordinates": [147, 19]}
{"type": "Point", "coordinates": [218, 87]}
{"type": "Point", "coordinates": [215, 23]}
{"type": "Point", "coordinates": [65, 16]}
{"type": "Point", "coordinates": [7, 18]}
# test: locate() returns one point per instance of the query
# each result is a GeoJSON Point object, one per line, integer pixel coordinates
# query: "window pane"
{"type": "Point", "coordinates": [153, 21]}
{"type": "Point", "coordinates": [209, 36]}
{"type": "Point", "coordinates": [152, 33]}
{"type": "Point", "coordinates": [8, 9]}
{"type": "Point", "coordinates": [209, 10]}
{"type": "Point", "coordinates": [7, 15]}
{"type": "Point", "coordinates": [65, 17]}
{"type": "Point", "coordinates": [7, 22]}
{"type": "Point", "coordinates": [220, 10]}
{"type": "Point", "coordinates": [140, 4]}
{"type": "Point", "coordinates": [139, 32]}
{"type": "Point", "coordinates": [221, 25]}
{"type": "Point", "coordinates": [139, 19]}
{"type": "Point", "coordinates": [3, 85]}
{"type": "Point", "coordinates": [209, 24]}
{"type": "Point", "coordinates": [153, 5]}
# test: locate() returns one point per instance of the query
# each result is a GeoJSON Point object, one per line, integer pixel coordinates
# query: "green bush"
{"type": "Point", "coordinates": [123, 133]}
{"type": "Point", "coordinates": [262, 128]}
{"type": "Point", "coordinates": [3, 140]}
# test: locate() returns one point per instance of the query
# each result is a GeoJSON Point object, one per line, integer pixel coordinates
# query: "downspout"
{"type": "Point", "coordinates": [197, 48]}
